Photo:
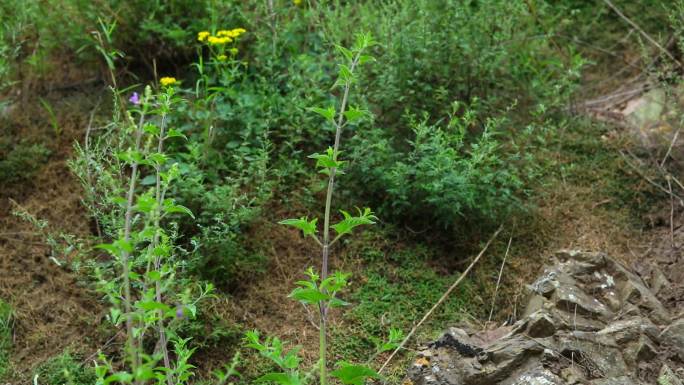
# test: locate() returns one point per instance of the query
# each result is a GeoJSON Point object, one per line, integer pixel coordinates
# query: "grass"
{"type": "Point", "coordinates": [5, 337]}
{"type": "Point", "coordinates": [65, 369]}
{"type": "Point", "coordinates": [393, 290]}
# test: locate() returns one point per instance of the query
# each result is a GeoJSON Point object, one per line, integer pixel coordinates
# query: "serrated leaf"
{"type": "Point", "coordinates": [350, 222]}
{"type": "Point", "coordinates": [303, 223]}
{"type": "Point", "coordinates": [172, 208]}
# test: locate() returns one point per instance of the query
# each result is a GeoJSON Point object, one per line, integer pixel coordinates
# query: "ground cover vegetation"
{"type": "Point", "coordinates": [420, 126]}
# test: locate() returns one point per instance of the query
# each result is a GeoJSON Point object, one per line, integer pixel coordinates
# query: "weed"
{"type": "Point", "coordinates": [65, 369]}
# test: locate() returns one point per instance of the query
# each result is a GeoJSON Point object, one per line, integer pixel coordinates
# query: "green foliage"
{"type": "Point", "coordinates": [20, 161]}
{"type": "Point", "coordinates": [65, 369]}
{"type": "Point", "coordinates": [443, 176]}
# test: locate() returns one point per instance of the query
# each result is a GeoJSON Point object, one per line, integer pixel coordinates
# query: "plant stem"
{"type": "Point", "coordinates": [326, 223]}
{"type": "Point", "coordinates": [322, 349]}
{"type": "Point", "coordinates": [125, 255]}
{"type": "Point", "coordinates": [157, 261]}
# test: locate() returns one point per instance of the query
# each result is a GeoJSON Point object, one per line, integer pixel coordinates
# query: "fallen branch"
{"type": "Point", "coordinates": [442, 299]}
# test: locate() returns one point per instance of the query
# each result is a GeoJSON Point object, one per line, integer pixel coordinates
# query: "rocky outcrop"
{"type": "Point", "coordinates": [588, 320]}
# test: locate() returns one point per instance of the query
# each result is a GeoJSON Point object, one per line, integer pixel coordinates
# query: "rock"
{"type": "Point", "coordinates": [540, 325]}
{"type": "Point", "coordinates": [589, 320]}
{"type": "Point", "coordinates": [622, 380]}
{"type": "Point", "coordinates": [628, 330]}
{"type": "Point", "coordinates": [673, 336]}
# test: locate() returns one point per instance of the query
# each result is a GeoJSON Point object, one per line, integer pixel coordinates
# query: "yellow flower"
{"type": "Point", "coordinates": [239, 31]}
{"type": "Point", "coordinates": [167, 81]}
{"type": "Point", "coordinates": [297, 2]}
{"type": "Point", "coordinates": [219, 40]}
{"type": "Point", "coordinates": [223, 32]}
{"type": "Point", "coordinates": [202, 36]}
{"type": "Point", "coordinates": [221, 57]}
{"type": "Point", "coordinates": [233, 51]}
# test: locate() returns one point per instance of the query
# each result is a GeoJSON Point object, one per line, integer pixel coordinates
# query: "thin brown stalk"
{"type": "Point", "coordinates": [498, 281]}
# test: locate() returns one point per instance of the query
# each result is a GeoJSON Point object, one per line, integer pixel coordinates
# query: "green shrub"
{"type": "Point", "coordinates": [19, 162]}
{"type": "Point", "coordinates": [443, 174]}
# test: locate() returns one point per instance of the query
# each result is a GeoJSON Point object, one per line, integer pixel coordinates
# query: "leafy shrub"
{"type": "Point", "coordinates": [20, 161]}
{"type": "Point", "coordinates": [443, 174]}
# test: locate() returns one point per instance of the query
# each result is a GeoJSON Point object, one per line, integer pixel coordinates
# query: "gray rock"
{"type": "Point", "coordinates": [673, 336]}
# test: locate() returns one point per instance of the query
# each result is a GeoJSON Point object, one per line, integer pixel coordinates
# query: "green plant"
{"type": "Point", "coordinates": [322, 290]}
{"type": "Point", "coordinates": [443, 177]}
{"type": "Point", "coordinates": [65, 369]}
{"type": "Point", "coordinates": [20, 161]}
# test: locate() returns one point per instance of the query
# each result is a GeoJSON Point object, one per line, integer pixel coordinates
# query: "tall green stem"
{"type": "Point", "coordinates": [326, 224]}
{"type": "Point", "coordinates": [125, 255]}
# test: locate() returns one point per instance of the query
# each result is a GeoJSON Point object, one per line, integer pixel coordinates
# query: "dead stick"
{"type": "Point", "coordinates": [672, 241]}
{"type": "Point", "coordinates": [669, 149]}
{"type": "Point", "coordinates": [444, 297]}
{"type": "Point", "coordinates": [641, 31]}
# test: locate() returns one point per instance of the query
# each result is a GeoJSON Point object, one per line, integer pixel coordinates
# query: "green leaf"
{"type": "Point", "coordinates": [346, 75]}
{"type": "Point", "coordinates": [354, 114]}
{"type": "Point", "coordinates": [157, 158]}
{"type": "Point", "coordinates": [280, 378]}
{"type": "Point", "coordinates": [170, 208]}
{"type": "Point", "coordinates": [310, 296]}
{"type": "Point", "coordinates": [173, 133]}
{"type": "Point", "coordinates": [350, 374]}
{"type": "Point", "coordinates": [328, 160]}
{"type": "Point", "coordinates": [349, 222]}
{"type": "Point", "coordinates": [347, 53]}
{"type": "Point", "coordinates": [152, 305]}
{"type": "Point", "coordinates": [151, 129]}
{"type": "Point", "coordinates": [327, 113]}
{"type": "Point", "coordinates": [303, 223]}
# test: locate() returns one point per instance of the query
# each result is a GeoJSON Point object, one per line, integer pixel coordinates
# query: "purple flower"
{"type": "Point", "coordinates": [179, 312]}
{"type": "Point", "coordinates": [135, 98]}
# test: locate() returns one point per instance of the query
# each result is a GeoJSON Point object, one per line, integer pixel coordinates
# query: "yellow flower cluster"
{"type": "Point", "coordinates": [215, 40]}
{"type": "Point", "coordinates": [167, 81]}
{"type": "Point", "coordinates": [223, 36]}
